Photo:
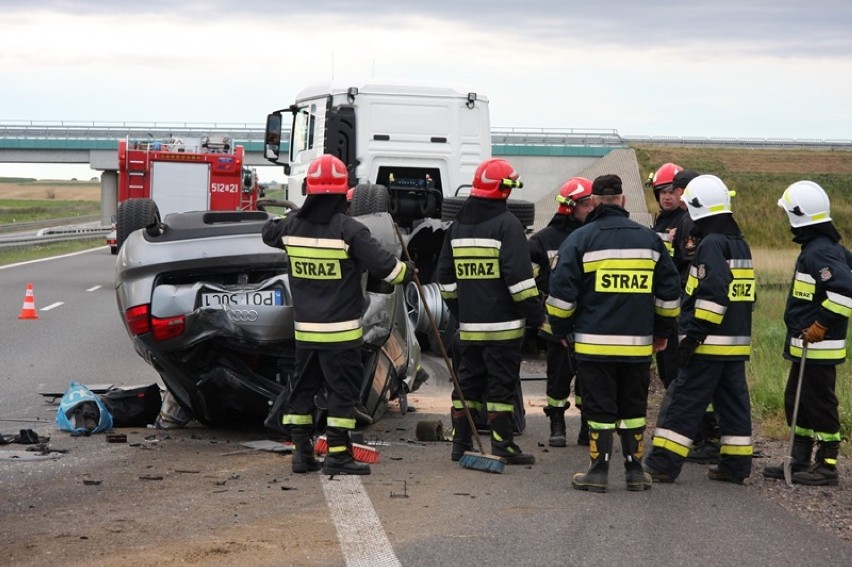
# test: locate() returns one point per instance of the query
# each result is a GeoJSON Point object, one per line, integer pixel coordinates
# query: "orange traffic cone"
{"type": "Point", "coordinates": [28, 311]}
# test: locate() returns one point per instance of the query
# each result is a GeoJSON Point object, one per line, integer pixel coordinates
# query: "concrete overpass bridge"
{"type": "Point", "coordinates": [544, 157]}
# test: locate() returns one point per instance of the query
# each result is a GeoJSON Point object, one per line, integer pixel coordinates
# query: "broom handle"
{"type": "Point", "coordinates": [441, 344]}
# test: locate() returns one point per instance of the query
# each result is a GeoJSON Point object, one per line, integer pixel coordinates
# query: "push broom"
{"type": "Point", "coordinates": [470, 460]}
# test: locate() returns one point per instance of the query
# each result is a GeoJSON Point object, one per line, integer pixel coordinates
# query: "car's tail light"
{"type": "Point", "coordinates": [168, 328]}
{"type": "Point", "coordinates": [137, 319]}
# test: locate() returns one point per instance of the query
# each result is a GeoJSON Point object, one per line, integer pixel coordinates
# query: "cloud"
{"type": "Point", "coordinates": [760, 68]}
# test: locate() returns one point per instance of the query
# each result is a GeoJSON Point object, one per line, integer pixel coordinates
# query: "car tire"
{"type": "Point", "coordinates": [132, 215]}
{"type": "Point", "coordinates": [368, 198]}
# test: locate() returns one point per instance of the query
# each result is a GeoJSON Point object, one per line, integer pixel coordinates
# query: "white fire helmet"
{"type": "Point", "coordinates": [805, 203]}
{"type": "Point", "coordinates": [707, 195]}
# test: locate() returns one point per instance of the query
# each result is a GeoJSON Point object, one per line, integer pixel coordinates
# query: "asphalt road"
{"type": "Point", "coordinates": [431, 511]}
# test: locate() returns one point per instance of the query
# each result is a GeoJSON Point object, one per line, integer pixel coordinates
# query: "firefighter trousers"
{"type": "Point", "coordinates": [490, 371]}
{"type": "Point", "coordinates": [560, 373]}
{"type": "Point", "coordinates": [701, 382]}
{"type": "Point", "coordinates": [615, 391]}
{"type": "Point", "coordinates": [818, 416]}
{"type": "Point", "coordinates": [340, 371]}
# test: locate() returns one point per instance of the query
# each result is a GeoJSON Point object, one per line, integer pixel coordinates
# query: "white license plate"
{"type": "Point", "coordinates": [255, 298]}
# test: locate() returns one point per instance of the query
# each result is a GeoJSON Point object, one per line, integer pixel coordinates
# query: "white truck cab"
{"type": "Point", "coordinates": [422, 142]}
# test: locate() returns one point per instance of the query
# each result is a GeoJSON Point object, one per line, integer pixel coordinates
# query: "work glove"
{"type": "Point", "coordinates": [685, 350]}
{"type": "Point", "coordinates": [815, 333]}
{"type": "Point", "coordinates": [410, 270]}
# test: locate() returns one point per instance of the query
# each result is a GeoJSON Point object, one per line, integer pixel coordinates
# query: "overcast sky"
{"type": "Point", "coordinates": [745, 68]}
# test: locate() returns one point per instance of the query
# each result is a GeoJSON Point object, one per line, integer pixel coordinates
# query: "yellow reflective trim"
{"type": "Point", "coordinates": [802, 432]}
{"type": "Point", "coordinates": [743, 273]}
{"type": "Point", "coordinates": [341, 422]}
{"type": "Point", "coordinates": [499, 407]}
{"type": "Point", "coordinates": [620, 264]}
{"type": "Point", "coordinates": [449, 294]}
{"type": "Point", "coordinates": [623, 281]}
{"type": "Point", "coordinates": [822, 436]}
{"type": "Point", "coordinates": [691, 284]}
{"type": "Point", "coordinates": [708, 316]}
{"type": "Point", "coordinates": [724, 350]}
{"type": "Point", "coordinates": [525, 294]}
{"type": "Point", "coordinates": [671, 313]}
{"type": "Point", "coordinates": [838, 308]}
{"type": "Point", "coordinates": [633, 423]}
{"type": "Point", "coordinates": [491, 335]}
{"type": "Point", "coordinates": [475, 252]}
{"type": "Point", "coordinates": [600, 425]}
{"type": "Point", "coordinates": [297, 419]}
{"type": "Point", "coordinates": [332, 337]}
{"type": "Point", "coordinates": [613, 350]}
{"type": "Point", "coordinates": [337, 448]}
{"type": "Point", "coordinates": [816, 354]}
{"type": "Point", "coordinates": [476, 269]}
{"type": "Point", "coordinates": [557, 403]}
{"type": "Point", "coordinates": [308, 252]}
{"type": "Point", "coordinates": [736, 450]}
{"type": "Point", "coordinates": [557, 312]}
{"type": "Point", "coordinates": [670, 445]}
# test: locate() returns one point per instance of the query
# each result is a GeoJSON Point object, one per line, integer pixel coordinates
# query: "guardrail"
{"type": "Point", "coordinates": [500, 136]}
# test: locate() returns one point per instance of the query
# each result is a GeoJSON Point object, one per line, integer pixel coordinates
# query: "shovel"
{"type": "Point", "coordinates": [788, 458]}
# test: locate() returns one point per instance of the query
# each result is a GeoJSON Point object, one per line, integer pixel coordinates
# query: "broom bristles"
{"type": "Point", "coordinates": [361, 453]}
{"type": "Point", "coordinates": [482, 462]}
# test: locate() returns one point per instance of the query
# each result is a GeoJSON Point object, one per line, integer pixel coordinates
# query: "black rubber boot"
{"type": "Point", "coordinates": [600, 448]}
{"type": "Point", "coordinates": [304, 460]}
{"type": "Point", "coordinates": [583, 434]}
{"type": "Point", "coordinates": [339, 459]}
{"type": "Point", "coordinates": [461, 433]}
{"type": "Point", "coordinates": [502, 440]}
{"type": "Point", "coordinates": [633, 447]}
{"type": "Point", "coordinates": [823, 472]}
{"type": "Point", "coordinates": [802, 449]}
{"type": "Point", "coordinates": [717, 473]}
{"type": "Point", "coordinates": [557, 426]}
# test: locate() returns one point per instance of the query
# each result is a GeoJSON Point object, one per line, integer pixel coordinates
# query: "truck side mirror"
{"type": "Point", "coordinates": [272, 137]}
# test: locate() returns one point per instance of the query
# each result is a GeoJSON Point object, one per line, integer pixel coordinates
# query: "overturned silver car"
{"type": "Point", "coordinates": [208, 306]}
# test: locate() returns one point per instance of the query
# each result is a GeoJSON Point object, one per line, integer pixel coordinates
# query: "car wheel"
{"type": "Point", "coordinates": [368, 199]}
{"type": "Point", "coordinates": [132, 215]}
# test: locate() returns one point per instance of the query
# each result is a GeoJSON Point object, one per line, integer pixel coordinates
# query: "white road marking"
{"type": "Point", "coordinates": [7, 266]}
{"type": "Point", "coordinates": [52, 305]}
{"type": "Point", "coordinates": [363, 540]}
{"type": "Point", "coordinates": [94, 287]}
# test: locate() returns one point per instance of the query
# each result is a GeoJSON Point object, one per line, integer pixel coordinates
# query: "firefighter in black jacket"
{"type": "Point", "coordinates": [818, 308]}
{"type": "Point", "coordinates": [672, 210]}
{"type": "Point", "coordinates": [614, 295]}
{"type": "Point", "coordinates": [328, 251]}
{"type": "Point", "coordinates": [575, 203]}
{"type": "Point", "coordinates": [486, 279]}
{"type": "Point", "coordinates": [715, 329]}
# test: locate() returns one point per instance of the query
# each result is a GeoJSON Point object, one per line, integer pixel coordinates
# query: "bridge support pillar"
{"type": "Point", "coordinates": [109, 196]}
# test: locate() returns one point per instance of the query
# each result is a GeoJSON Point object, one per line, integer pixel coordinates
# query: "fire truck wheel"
{"type": "Point", "coordinates": [368, 199]}
{"type": "Point", "coordinates": [132, 215]}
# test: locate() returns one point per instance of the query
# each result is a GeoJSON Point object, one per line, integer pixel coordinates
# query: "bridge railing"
{"type": "Point", "coordinates": [251, 135]}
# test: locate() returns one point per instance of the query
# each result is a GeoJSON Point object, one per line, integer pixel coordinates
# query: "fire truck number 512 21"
{"type": "Point", "coordinates": [224, 187]}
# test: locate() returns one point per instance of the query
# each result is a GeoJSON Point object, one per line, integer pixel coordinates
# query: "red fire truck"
{"type": "Point", "coordinates": [156, 178]}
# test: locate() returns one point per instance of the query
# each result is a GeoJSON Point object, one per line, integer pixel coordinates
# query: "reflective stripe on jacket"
{"type": "Point", "coordinates": [719, 297]}
{"type": "Point", "coordinates": [614, 287]}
